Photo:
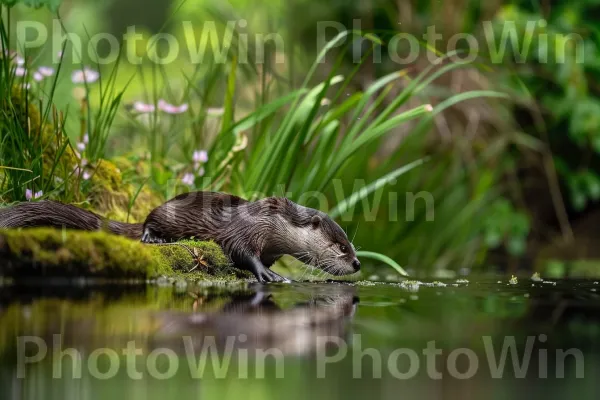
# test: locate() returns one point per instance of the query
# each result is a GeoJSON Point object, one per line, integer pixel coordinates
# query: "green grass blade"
{"type": "Point", "coordinates": [345, 204]}
{"type": "Point", "coordinates": [384, 259]}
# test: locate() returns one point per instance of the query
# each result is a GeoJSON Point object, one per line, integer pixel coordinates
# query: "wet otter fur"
{"type": "Point", "coordinates": [253, 234]}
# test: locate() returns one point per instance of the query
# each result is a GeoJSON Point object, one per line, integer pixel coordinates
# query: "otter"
{"type": "Point", "coordinates": [253, 234]}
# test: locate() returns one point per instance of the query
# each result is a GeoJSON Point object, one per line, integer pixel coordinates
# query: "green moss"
{"type": "Point", "coordinates": [195, 260]}
{"type": "Point", "coordinates": [41, 252]}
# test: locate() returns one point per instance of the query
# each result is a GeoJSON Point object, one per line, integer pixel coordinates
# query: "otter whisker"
{"type": "Point", "coordinates": [353, 236]}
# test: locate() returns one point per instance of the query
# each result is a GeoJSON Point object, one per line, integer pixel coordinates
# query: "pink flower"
{"type": "Point", "coordinates": [200, 156]}
{"type": "Point", "coordinates": [20, 71]}
{"type": "Point", "coordinates": [86, 138]}
{"type": "Point", "coordinates": [81, 146]}
{"type": "Point", "coordinates": [172, 109]}
{"type": "Point", "coordinates": [200, 171]}
{"type": "Point", "coordinates": [188, 179]}
{"type": "Point", "coordinates": [86, 175]}
{"type": "Point", "coordinates": [29, 195]}
{"type": "Point", "coordinates": [19, 60]}
{"type": "Point", "coordinates": [38, 77]}
{"type": "Point", "coordinates": [143, 108]}
{"type": "Point", "coordinates": [46, 71]}
{"type": "Point", "coordinates": [85, 75]}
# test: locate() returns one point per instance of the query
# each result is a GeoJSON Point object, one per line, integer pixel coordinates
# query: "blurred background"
{"type": "Point", "coordinates": [502, 174]}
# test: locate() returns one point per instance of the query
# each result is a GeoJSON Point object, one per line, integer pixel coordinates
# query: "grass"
{"type": "Point", "coordinates": [315, 143]}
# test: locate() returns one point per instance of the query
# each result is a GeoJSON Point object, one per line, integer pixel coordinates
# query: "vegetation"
{"type": "Point", "coordinates": [421, 172]}
{"type": "Point", "coordinates": [46, 253]}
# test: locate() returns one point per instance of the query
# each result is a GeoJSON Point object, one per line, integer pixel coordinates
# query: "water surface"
{"type": "Point", "coordinates": [302, 340]}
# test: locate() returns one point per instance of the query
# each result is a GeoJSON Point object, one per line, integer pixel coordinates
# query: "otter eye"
{"type": "Point", "coordinates": [343, 248]}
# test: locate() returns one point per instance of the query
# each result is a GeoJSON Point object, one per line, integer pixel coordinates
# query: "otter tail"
{"type": "Point", "coordinates": [59, 215]}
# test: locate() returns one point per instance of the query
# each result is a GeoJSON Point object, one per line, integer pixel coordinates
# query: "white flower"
{"type": "Point", "coordinates": [86, 175]}
{"type": "Point", "coordinates": [81, 146]}
{"type": "Point", "coordinates": [172, 109]}
{"type": "Point", "coordinates": [188, 179]}
{"type": "Point", "coordinates": [29, 195]}
{"type": "Point", "coordinates": [85, 75]}
{"type": "Point", "coordinates": [143, 108]}
{"type": "Point", "coordinates": [200, 156]}
{"type": "Point", "coordinates": [46, 71]}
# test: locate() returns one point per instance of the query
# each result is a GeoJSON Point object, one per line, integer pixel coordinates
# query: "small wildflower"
{"type": "Point", "coordinates": [20, 71]}
{"type": "Point", "coordinates": [26, 85]}
{"type": "Point", "coordinates": [19, 60]}
{"type": "Point", "coordinates": [29, 195]}
{"type": "Point", "coordinates": [200, 156]}
{"type": "Point", "coordinates": [143, 108]}
{"type": "Point", "coordinates": [38, 77]}
{"type": "Point", "coordinates": [428, 107]}
{"type": "Point", "coordinates": [172, 109]}
{"type": "Point", "coordinates": [513, 280]}
{"type": "Point", "coordinates": [81, 146]}
{"type": "Point", "coordinates": [86, 138]}
{"type": "Point", "coordinates": [86, 175]}
{"type": "Point", "coordinates": [85, 75]}
{"type": "Point", "coordinates": [325, 101]}
{"type": "Point", "coordinates": [536, 277]}
{"type": "Point", "coordinates": [188, 179]}
{"type": "Point", "coordinates": [46, 71]}
{"type": "Point", "coordinates": [200, 171]}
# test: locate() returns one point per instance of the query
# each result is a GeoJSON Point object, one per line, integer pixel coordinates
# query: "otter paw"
{"type": "Point", "coordinates": [149, 237]}
{"type": "Point", "coordinates": [267, 276]}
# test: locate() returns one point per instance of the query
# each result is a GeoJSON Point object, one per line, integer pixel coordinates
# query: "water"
{"type": "Point", "coordinates": [298, 341]}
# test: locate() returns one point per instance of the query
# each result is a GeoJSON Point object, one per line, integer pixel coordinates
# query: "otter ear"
{"type": "Point", "coordinates": [315, 221]}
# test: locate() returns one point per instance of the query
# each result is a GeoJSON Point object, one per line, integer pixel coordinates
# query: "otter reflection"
{"type": "Point", "coordinates": [260, 319]}
{"type": "Point", "coordinates": [289, 318]}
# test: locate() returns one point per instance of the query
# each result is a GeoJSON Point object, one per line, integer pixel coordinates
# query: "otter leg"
{"type": "Point", "coordinates": [150, 237]}
{"type": "Point", "coordinates": [262, 273]}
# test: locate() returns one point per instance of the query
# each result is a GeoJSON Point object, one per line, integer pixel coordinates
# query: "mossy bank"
{"type": "Point", "coordinates": [47, 252]}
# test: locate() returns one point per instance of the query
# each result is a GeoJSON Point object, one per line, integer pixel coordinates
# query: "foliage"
{"type": "Point", "coordinates": [46, 252]}
{"type": "Point", "coordinates": [560, 77]}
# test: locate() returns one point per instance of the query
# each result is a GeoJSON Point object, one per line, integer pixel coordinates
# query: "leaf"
{"type": "Point", "coordinates": [379, 183]}
{"type": "Point", "coordinates": [384, 259]}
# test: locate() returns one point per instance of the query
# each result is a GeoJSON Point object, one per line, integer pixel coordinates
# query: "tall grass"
{"type": "Point", "coordinates": [309, 143]}
{"type": "Point", "coordinates": [28, 127]}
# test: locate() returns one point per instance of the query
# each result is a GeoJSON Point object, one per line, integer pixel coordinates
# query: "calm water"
{"type": "Point", "coordinates": [329, 340]}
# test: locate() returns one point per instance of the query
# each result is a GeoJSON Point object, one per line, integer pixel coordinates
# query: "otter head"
{"type": "Point", "coordinates": [328, 247]}
{"type": "Point", "coordinates": [310, 236]}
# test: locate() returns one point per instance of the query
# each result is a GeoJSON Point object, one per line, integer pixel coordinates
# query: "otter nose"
{"type": "Point", "coordinates": [356, 264]}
